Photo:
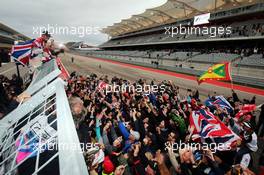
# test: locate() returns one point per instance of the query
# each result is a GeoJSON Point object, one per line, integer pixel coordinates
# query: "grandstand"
{"type": "Point", "coordinates": [9, 35]}
{"type": "Point", "coordinates": [143, 39]}
{"type": "Point", "coordinates": [7, 38]}
{"type": "Point", "coordinates": [244, 18]}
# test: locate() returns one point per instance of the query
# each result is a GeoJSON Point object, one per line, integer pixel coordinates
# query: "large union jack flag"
{"type": "Point", "coordinates": [21, 52]}
{"type": "Point", "coordinates": [210, 128]}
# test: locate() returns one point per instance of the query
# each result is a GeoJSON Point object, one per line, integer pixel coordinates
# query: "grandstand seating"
{"type": "Point", "coordinates": [181, 56]}
{"type": "Point", "coordinates": [252, 28]}
{"type": "Point", "coordinates": [255, 60]}
{"type": "Point", "coordinates": [214, 58]}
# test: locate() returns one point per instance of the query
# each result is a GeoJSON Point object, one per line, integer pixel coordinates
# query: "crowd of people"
{"type": "Point", "coordinates": [242, 51]}
{"type": "Point", "coordinates": [257, 28]}
{"type": "Point", "coordinates": [4, 57]}
{"type": "Point", "coordinates": [9, 91]}
{"type": "Point", "coordinates": [135, 132]}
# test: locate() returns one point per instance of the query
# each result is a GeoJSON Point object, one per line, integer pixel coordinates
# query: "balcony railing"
{"type": "Point", "coordinates": [38, 136]}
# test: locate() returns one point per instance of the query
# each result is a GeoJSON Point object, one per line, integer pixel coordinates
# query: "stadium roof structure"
{"type": "Point", "coordinates": [9, 35]}
{"type": "Point", "coordinates": [12, 31]}
{"type": "Point", "coordinates": [170, 12]}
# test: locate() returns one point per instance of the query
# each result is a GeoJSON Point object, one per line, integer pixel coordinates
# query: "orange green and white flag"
{"type": "Point", "coordinates": [220, 71]}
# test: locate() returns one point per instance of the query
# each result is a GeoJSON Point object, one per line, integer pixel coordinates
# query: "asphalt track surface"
{"type": "Point", "coordinates": [87, 65]}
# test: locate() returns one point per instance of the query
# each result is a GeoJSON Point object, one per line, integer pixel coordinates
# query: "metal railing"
{"type": "Point", "coordinates": [43, 75]}
{"type": "Point", "coordinates": [38, 135]}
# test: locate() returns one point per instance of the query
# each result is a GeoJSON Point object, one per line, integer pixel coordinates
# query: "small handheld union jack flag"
{"type": "Point", "coordinates": [21, 52]}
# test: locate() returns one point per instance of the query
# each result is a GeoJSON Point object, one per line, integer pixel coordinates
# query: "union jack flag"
{"type": "Point", "coordinates": [219, 101]}
{"type": "Point", "coordinates": [21, 52]}
{"type": "Point", "coordinates": [211, 129]}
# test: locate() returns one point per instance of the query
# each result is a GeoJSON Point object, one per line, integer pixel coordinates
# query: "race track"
{"type": "Point", "coordinates": [86, 65]}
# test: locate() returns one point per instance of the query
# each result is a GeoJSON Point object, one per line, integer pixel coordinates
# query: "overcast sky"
{"type": "Point", "coordinates": [28, 16]}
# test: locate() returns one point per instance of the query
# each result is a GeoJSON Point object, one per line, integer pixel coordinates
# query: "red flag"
{"type": "Point", "coordinates": [246, 109]}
